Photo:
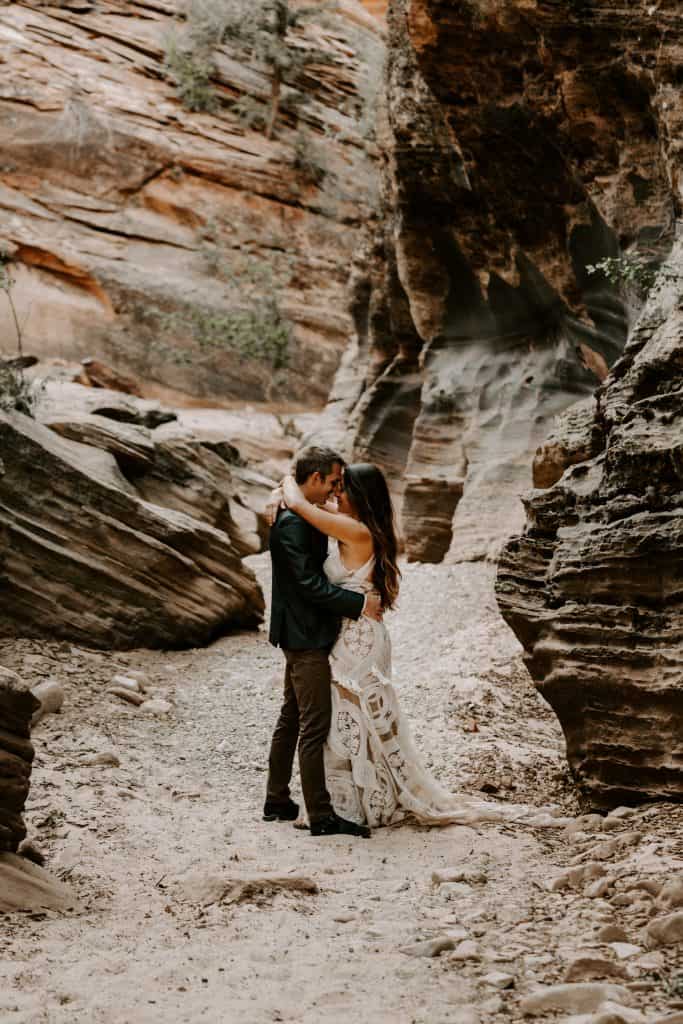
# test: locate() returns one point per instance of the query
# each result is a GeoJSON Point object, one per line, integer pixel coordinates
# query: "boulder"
{"type": "Point", "coordinates": [592, 588]}
{"type": "Point", "coordinates": [85, 558]}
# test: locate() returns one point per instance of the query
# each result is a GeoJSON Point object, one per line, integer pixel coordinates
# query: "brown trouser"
{"type": "Point", "coordinates": [305, 716]}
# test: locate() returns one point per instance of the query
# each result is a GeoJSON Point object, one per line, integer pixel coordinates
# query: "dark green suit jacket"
{"type": "Point", "coordinates": [306, 608]}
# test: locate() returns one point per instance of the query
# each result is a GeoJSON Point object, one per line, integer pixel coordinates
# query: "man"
{"type": "Point", "coordinates": [304, 621]}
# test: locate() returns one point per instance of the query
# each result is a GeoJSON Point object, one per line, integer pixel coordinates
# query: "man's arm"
{"type": "Point", "coordinates": [293, 539]}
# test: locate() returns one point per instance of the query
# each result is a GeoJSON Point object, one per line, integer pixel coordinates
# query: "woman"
{"type": "Point", "coordinates": [373, 771]}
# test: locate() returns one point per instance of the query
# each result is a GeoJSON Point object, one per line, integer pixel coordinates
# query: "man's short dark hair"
{"type": "Point", "coordinates": [315, 459]}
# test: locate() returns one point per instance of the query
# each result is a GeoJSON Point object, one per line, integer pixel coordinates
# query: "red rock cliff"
{"type": "Point", "coordinates": [135, 223]}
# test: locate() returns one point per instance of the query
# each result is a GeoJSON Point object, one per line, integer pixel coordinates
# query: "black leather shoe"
{"type": "Point", "coordinates": [287, 811]}
{"type": "Point", "coordinates": [336, 826]}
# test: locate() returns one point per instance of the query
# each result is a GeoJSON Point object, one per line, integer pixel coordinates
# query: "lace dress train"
{"type": "Point", "coordinates": [373, 769]}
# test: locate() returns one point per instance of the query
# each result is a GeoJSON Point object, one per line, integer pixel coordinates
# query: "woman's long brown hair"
{"type": "Point", "coordinates": [366, 489]}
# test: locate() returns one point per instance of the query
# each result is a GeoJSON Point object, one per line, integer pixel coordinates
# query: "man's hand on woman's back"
{"type": "Point", "coordinates": [373, 607]}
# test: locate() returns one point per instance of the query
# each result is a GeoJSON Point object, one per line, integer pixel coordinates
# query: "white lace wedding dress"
{"type": "Point", "coordinates": [373, 770]}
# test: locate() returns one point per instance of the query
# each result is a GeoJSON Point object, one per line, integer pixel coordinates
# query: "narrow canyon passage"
{"type": "Point", "coordinates": [158, 845]}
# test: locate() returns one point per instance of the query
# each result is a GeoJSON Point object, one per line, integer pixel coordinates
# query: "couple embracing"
{"type": "Point", "coordinates": [334, 561]}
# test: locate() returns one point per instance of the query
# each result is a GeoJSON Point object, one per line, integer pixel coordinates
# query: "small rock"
{"type": "Point", "coordinates": [599, 888]}
{"type": "Point", "coordinates": [466, 950]}
{"type": "Point", "coordinates": [648, 885]}
{"type": "Point", "coordinates": [125, 693]}
{"type": "Point", "coordinates": [51, 697]}
{"type": "Point", "coordinates": [584, 997]}
{"type": "Point", "coordinates": [157, 706]}
{"type": "Point", "coordinates": [429, 948]}
{"type": "Point", "coordinates": [106, 758]}
{"type": "Point", "coordinates": [499, 979]}
{"type": "Point", "coordinates": [584, 823]}
{"type": "Point", "coordinates": [576, 878]}
{"type": "Point", "coordinates": [455, 890]}
{"type": "Point", "coordinates": [610, 824]}
{"type": "Point", "coordinates": [625, 949]}
{"type": "Point", "coordinates": [622, 812]}
{"type": "Point", "coordinates": [31, 852]}
{"type": "Point", "coordinates": [671, 894]}
{"type": "Point", "coordinates": [345, 918]}
{"type": "Point", "coordinates": [593, 968]}
{"type": "Point", "coordinates": [471, 877]}
{"type": "Point", "coordinates": [666, 931]}
{"type": "Point", "coordinates": [623, 899]}
{"type": "Point", "coordinates": [611, 933]}
{"type": "Point", "coordinates": [127, 682]}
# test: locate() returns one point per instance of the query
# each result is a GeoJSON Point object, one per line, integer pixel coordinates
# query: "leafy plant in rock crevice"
{"type": "Point", "coordinates": [633, 271]}
{"type": "Point", "coordinates": [16, 393]}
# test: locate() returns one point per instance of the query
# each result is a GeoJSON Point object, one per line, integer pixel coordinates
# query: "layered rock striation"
{"type": "Point", "coordinates": [523, 142]}
{"type": "Point", "coordinates": [594, 586]}
{"type": "Point", "coordinates": [173, 243]}
{"type": "Point", "coordinates": [17, 705]}
{"type": "Point", "coordinates": [115, 535]}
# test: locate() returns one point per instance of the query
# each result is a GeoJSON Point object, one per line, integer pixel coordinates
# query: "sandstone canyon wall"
{"type": "Point", "coordinates": [134, 224]}
{"type": "Point", "coordinates": [522, 141]}
{"type": "Point", "coordinates": [594, 587]}
{"type": "Point", "coordinates": [121, 528]}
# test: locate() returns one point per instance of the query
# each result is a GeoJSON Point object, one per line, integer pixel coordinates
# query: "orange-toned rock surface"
{"type": "Point", "coordinates": [133, 221]}
{"type": "Point", "coordinates": [523, 142]}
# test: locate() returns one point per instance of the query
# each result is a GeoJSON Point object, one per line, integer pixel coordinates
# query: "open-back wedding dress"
{"type": "Point", "coordinates": [373, 770]}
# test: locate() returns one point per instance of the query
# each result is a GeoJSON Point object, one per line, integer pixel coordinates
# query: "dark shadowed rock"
{"type": "Point", "coordinates": [594, 586]}
{"type": "Point", "coordinates": [524, 142]}
{"type": "Point", "coordinates": [17, 705]}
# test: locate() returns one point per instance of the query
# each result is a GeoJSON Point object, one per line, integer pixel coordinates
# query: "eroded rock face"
{"type": "Point", "coordinates": [17, 705]}
{"type": "Point", "coordinates": [83, 556]}
{"type": "Point", "coordinates": [523, 142]}
{"type": "Point", "coordinates": [134, 223]}
{"type": "Point", "coordinates": [593, 588]}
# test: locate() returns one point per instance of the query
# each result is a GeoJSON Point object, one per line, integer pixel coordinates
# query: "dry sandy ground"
{"type": "Point", "coordinates": [154, 846]}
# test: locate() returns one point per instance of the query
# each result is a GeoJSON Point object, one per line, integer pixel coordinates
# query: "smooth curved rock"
{"type": "Point", "coordinates": [594, 588]}
{"type": "Point", "coordinates": [524, 141]}
{"type": "Point", "coordinates": [26, 886]}
{"type": "Point", "coordinates": [83, 557]}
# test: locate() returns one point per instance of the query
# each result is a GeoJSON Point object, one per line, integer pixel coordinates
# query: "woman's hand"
{"type": "Point", "coordinates": [274, 503]}
{"type": "Point", "coordinates": [291, 493]}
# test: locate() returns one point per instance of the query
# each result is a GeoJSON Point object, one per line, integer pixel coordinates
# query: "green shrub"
{"type": "Point", "coordinates": [191, 71]}
{"type": "Point", "coordinates": [634, 271]}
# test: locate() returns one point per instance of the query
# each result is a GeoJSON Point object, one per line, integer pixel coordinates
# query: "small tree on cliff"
{"type": "Point", "coordinates": [264, 29]}
{"type": "Point", "coordinates": [15, 390]}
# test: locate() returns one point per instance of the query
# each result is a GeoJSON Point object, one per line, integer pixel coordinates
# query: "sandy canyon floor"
{"type": "Point", "coordinates": [183, 923]}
